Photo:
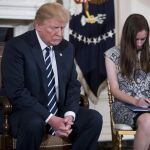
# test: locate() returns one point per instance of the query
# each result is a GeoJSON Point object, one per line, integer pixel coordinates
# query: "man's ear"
{"type": "Point", "coordinates": [38, 26]}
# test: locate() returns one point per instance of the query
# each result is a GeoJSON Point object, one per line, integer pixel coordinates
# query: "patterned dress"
{"type": "Point", "coordinates": [138, 87]}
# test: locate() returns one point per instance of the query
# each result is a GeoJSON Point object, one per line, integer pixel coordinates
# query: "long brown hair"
{"type": "Point", "coordinates": [128, 50]}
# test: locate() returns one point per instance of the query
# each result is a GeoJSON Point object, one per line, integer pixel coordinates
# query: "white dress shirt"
{"type": "Point", "coordinates": [54, 66]}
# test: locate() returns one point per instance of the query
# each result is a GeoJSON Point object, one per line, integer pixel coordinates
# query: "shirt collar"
{"type": "Point", "coordinates": [42, 44]}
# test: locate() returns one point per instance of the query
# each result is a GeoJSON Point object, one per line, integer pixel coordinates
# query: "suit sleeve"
{"type": "Point", "coordinates": [13, 79]}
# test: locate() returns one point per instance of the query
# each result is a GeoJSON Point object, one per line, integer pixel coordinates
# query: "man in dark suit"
{"type": "Point", "coordinates": [25, 83]}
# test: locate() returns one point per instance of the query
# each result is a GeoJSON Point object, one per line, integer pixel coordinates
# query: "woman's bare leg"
{"type": "Point", "coordinates": [142, 137]}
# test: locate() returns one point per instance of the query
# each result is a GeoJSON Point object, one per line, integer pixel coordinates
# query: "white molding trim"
{"type": "Point", "coordinates": [19, 9]}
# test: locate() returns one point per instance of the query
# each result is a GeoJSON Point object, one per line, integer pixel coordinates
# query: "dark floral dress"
{"type": "Point", "coordinates": [138, 87]}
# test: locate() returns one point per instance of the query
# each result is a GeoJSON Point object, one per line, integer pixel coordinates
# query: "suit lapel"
{"type": "Point", "coordinates": [36, 50]}
{"type": "Point", "coordinates": [59, 62]}
{"type": "Point", "coordinates": [38, 56]}
{"type": "Point", "coordinates": [59, 54]}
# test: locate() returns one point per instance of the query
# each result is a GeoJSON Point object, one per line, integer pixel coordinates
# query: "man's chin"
{"type": "Point", "coordinates": [139, 48]}
{"type": "Point", "coordinates": [57, 42]}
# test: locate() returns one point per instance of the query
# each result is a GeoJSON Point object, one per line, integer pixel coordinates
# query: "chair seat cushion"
{"type": "Point", "coordinates": [54, 141]}
{"type": "Point", "coordinates": [51, 142]}
{"type": "Point", "coordinates": [123, 127]}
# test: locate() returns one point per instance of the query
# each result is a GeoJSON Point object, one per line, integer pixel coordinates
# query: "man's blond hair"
{"type": "Point", "coordinates": [52, 10]}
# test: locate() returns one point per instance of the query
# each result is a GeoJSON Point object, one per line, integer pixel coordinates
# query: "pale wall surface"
{"type": "Point", "coordinates": [127, 7]}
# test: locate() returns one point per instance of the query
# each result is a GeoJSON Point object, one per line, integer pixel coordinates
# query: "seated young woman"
{"type": "Point", "coordinates": [128, 73]}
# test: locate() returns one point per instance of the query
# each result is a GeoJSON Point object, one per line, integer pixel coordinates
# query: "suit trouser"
{"type": "Point", "coordinates": [86, 130]}
{"type": "Point", "coordinates": [29, 128]}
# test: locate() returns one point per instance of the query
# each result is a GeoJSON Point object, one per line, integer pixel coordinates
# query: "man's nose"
{"type": "Point", "coordinates": [139, 43]}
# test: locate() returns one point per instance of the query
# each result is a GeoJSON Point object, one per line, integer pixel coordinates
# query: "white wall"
{"type": "Point", "coordinates": [127, 7]}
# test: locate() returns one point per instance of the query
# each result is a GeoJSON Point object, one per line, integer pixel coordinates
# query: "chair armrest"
{"type": "Point", "coordinates": [7, 108]}
{"type": "Point", "coordinates": [84, 101]}
{"type": "Point", "coordinates": [4, 101]}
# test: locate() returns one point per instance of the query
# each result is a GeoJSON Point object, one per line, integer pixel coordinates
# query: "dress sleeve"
{"type": "Point", "coordinates": [113, 54]}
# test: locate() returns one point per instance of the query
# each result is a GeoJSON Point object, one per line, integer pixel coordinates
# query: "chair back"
{"type": "Point", "coordinates": [1, 114]}
{"type": "Point", "coordinates": [118, 130]}
{"type": "Point", "coordinates": [110, 101]}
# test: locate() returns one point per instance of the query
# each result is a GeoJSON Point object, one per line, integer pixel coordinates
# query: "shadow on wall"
{"type": "Point", "coordinates": [145, 4]}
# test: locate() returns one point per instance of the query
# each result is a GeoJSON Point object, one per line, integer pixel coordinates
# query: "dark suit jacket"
{"type": "Point", "coordinates": [24, 80]}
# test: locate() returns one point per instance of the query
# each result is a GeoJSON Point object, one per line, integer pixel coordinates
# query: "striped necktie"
{"type": "Point", "coordinates": [52, 99]}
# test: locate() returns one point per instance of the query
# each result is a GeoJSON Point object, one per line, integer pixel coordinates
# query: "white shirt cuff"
{"type": "Point", "coordinates": [49, 117]}
{"type": "Point", "coordinates": [70, 113]}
